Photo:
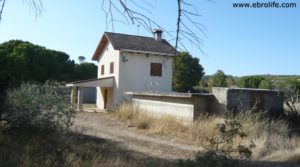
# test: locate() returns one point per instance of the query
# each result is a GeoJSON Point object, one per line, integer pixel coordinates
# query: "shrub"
{"type": "Point", "coordinates": [40, 106]}
{"type": "Point", "coordinates": [265, 84]}
{"type": "Point", "coordinates": [249, 82]}
{"type": "Point", "coordinates": [217, 80]}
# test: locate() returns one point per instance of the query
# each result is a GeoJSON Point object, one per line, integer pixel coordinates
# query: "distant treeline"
{"type": "Point", "coordinates": [278, 82]}
{"type": "Point", "coordinates": [23, 61]}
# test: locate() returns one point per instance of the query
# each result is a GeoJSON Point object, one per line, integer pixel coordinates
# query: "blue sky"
{"type": "Point", "coordinates": [239, 41]}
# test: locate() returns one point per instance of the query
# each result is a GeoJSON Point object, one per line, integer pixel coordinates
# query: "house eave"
{"type": "Point", "coordinates": [100, 47]}
{"type": "Point", "coordinates": [104, 82]}
{"type": "Point", "coordinates": [147, 52]}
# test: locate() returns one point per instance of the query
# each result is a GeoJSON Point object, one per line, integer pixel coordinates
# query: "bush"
{"type": "Point", "coordinates": [40, 106]}
{"type": "Point", "coordinates": [265, 84]}
{"type": "Point", "coordinates": [217, 80]}
{"type": "Point", "coordinates": [249, 82]}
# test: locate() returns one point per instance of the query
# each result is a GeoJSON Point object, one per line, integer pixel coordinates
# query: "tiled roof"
{"type": "Point", "coordinates": [134, 43]}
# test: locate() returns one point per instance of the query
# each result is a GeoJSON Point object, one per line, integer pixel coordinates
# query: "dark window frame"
{"type": "Point", "coordinates": [111, 68]}
{"type": "Point", "coordinates": [156, 69]}
{"type": "Point", "coordinates": [102, 69]}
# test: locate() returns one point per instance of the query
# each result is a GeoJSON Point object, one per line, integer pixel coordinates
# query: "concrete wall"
{"type": "Point", "coordinates": [181, 108]}
{"type": "Point", "coordinates": [241, 99]}
{"type": "Point", "coordinates": [221, 94]}
{"type": "Point", "coordinates": [186, 107]}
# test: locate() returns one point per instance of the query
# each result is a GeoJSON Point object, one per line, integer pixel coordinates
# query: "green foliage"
{"type": "Point", "coordinates": [44, 106]}
{"type": "Point", "coordinates": [265, 84]}
{"type": "Point", "coordinates": [231, 81]}
{"type": "Point", "coordinates": [217, 80]}
{"type": "Point", "coordinates": [23, 61]}
{"type": "Point", "coordinates": [187, 72]}
{"type": "Point", "coordinates": [202, 87]}
{"type": "Point", "coordinates": [293, 85]}
{"type": "Point", "coordinates": [249, 82]}
{"type": "Point", "coordinates": [85, 71]}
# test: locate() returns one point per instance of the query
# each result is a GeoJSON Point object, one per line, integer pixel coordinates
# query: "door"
{"type": "Point", "coordinates": [105, 98]}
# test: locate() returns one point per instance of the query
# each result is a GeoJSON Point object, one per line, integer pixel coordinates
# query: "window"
{"type": "Point", "coordinates": [102, 69]}
{"type": "Point", "coordinates": [111, 68]}
{"type": "Point", "coordinates": [155, 69]}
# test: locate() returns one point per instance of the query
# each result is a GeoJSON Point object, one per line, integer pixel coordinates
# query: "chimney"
{"type": "Point", "coordinates": [157, 34]}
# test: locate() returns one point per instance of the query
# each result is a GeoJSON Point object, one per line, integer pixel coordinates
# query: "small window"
{"type": "Point", "coordinates": [102, 69]}
{"type": "Point", "coordinates": [111, 68]}
{"type": "Point", "coordinates": [155, 69]}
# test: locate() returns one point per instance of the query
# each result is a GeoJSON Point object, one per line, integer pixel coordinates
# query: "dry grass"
{"type": "Point", "coordinates": [269, 136]}
{"type": "Point", "coordinates": [40, 148]}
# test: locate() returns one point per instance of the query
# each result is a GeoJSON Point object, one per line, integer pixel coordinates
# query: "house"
{"type": "Point", "coordinates": [127, 63]}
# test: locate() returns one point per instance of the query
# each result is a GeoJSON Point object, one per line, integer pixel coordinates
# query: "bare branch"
{"type": "Point", "coordinates": [178, 24]}
{"type": "Point", "coordinates": [138, 12]}
{"type": "Point", "coordinates": [2, 7]}
{"type": "Point", "coordinates": [35, 5]}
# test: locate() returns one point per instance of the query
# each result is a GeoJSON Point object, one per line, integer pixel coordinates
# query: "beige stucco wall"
{"type": "Point", "coordinates": [107, 56]}
{"type": "Point", "coordinates": [135, 74]}
{"type": "Point", "coordinates": [132, 74]}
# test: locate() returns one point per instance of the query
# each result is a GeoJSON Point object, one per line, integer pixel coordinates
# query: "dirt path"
{"type": "Point", "coordinates": [104, 126]}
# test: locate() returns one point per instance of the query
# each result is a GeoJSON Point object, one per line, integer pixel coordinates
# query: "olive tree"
{"type": "Point", "coordinates": [44, 106]}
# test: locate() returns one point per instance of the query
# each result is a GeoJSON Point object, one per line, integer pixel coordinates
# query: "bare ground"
{"type": "Point", "coordinates": [104, 126]}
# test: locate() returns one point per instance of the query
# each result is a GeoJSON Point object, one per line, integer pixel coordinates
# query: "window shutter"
{"type": "Point", "coordinates": [155, 69]}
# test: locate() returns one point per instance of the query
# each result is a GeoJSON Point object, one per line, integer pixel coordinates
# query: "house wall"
{"type": "Point", "coordinates": [107, 56]}
{"type": "Point", "coordinates": [135, 74]}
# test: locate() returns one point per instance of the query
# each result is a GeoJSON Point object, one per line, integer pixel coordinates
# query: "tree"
{"type": "Point", "coordinates": [294, 85]}
{"type": "Point", "coordinates": [217, 80]}
{"type": "Point", "coordinates": [187, 72]}
{"type": "Point", "coordinates": [139, 13]}
{"type": "Point", "coordinates": [265, 84]}
{"type": "Point", "coordinates": [249, 81]}
{"type": "Point", "coordinates": [85, 71]}
{"type": "Point", "coordinates": [231, 81]}
{"type": "Point", "coordinates": [23, 61]}
{"type": "Point", "coordinates": [202, 87]}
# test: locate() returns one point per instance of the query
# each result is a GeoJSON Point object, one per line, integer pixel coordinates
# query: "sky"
{"type": "Point", "coordinates": [239, 41]}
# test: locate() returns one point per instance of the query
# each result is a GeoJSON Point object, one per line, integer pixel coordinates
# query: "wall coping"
{"type": "Point", "coordinates": [247, 89]}
{"type": "Point", "coordinates": [168, 94]}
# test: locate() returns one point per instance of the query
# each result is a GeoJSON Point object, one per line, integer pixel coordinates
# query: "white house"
{"type": "Point", "coordinates": [128, 63]}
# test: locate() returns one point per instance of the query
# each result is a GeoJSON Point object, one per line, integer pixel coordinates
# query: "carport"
{"type": "Point", "coordinates": [77, 89]}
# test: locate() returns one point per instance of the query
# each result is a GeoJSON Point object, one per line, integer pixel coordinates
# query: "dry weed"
{"type": "Point", "coordinates": [269, 136]}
